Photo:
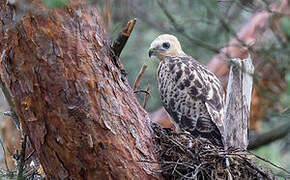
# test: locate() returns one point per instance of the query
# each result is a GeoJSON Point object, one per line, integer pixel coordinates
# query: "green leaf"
{"type": "Point", "coordinates": [55, 3]}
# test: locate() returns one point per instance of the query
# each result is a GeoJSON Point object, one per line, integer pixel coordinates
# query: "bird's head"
{"type": "Point", "coordinates": [165, 45]}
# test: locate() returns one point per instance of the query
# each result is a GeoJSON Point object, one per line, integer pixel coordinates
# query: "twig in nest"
{"type": "Point", "coordinates": [146, 97]}
{"type": "Point", "coordinates": [139, 76]}
{"type": "Point", "coordinates": [187, 157]}
{"type": "Point", "coordinates": [30, 155]}
{"type": "Point", "coordinates": [118, 45]}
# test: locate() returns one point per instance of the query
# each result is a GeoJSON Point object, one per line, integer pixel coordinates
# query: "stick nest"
{"type": "Point", "coordinates": [182, 156]}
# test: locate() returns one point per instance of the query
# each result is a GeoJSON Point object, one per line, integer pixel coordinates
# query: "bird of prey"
{"type": "Point", "coordinates": [190, 93]}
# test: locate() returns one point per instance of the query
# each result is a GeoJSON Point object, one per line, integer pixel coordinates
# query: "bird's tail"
{"type": "Point", "coordinates": [214, 136]}
{"type": "Point", "coordinates": [205, 128]}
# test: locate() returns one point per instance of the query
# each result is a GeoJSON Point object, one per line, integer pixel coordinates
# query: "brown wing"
{"type": "Point", "coordinates": [204, 109]}
{"type": "Point", "coordinates": [211, 93]}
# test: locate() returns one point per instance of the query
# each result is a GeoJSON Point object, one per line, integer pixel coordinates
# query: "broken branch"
{"type": "Point", "coordinates": [238, 100]}
{"type": "Point", "coordinates": [118, 45]}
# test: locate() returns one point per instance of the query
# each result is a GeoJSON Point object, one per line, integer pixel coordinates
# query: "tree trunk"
{"type": "Point", "coordinates": [80, 115]}
{"type": "Point", "coordinates": [238, 101]}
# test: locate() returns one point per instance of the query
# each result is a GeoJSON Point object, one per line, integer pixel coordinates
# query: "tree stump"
{"type": "Point", "coordinates": [238, 101]}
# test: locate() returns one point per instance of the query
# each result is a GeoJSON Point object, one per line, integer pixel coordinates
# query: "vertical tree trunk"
{"type": "Point", "coordinates": [238, 101]}
{"type": "Point", "coordinates": [81, 116]}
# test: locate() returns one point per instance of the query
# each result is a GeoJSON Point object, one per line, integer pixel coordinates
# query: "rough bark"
{"type": "Point", "coordinates": [238, 101]}
{"type": "Point", "coordinates": [81, 117]}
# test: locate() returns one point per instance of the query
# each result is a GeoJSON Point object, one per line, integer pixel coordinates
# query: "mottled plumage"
{"type": "Point", "coordinates": [190, 93]}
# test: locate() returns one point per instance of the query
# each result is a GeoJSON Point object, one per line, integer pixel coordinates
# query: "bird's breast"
{"type": "Point", "coordinates": [176, 100]}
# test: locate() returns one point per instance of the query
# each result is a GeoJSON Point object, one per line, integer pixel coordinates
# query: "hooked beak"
{"type": "Point", "coordinates": [151, 52]}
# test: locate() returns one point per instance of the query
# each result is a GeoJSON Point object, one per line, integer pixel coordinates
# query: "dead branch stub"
{"type": "Point", "coordinates": [238, 100]}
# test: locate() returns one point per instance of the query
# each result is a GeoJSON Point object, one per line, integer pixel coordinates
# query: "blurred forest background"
{"type": "Point", "coordinates": [203, 28]}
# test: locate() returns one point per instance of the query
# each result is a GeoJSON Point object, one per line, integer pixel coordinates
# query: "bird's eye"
{"type": "Point", "coordinates": [166, 45]}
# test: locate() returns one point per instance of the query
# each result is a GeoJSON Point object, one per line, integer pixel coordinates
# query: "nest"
{"type": "Point", "coordinates": [182, 156]}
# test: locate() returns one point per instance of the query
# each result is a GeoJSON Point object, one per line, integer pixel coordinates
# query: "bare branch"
{"type": "Point", "coordinates": [118, 45]}
{"type": "Point", "coordinates": [146, 97]}
{"type": "Point", "coordinates": [262, 138]}
{"type": "Point", "coordinates": [139, 76]}
{"type": "Point", "coordinates": [142, 91]}
{"type": "Point", "coordinates": [181, 30]}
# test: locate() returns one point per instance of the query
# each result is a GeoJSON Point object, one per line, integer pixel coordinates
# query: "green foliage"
{"type": "Point", "coordinates": [55, 3]}
{"type": "Point", "coordinates": [285, 25]}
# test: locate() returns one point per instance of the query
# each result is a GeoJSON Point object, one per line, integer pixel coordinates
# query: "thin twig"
{"type": "Point", "coordinates": [258, 169]}
{"type": "Point", "coordinates": [146, 97]}
{"type": "Point", "coordinates": [171, 19]}
{"type": "Point", "coordinates": [5, 160]}
{"type": "Point", "coordinates": [168, 162]}
{"type": "Point", "coordinates": [174, 169]}
{"type": "Point", "coordinates": [139, 76]}
{"type": "Point", "coordinates": [181, 30]}
{"type": "Point", "coordinates": [14, 117]}
{"type": "Point", "coordinates": [8, 98]}
{"type": "Point", "coordinates": [267, 161]}
{"type": "Point", "coordinates": [30, 155]}
{"type": "Point", "coordinates": [22, 158]}
{"type": "Point", "coordinates": [229, 29]}
{"type": "Point", "coordinates": [143, 91]}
